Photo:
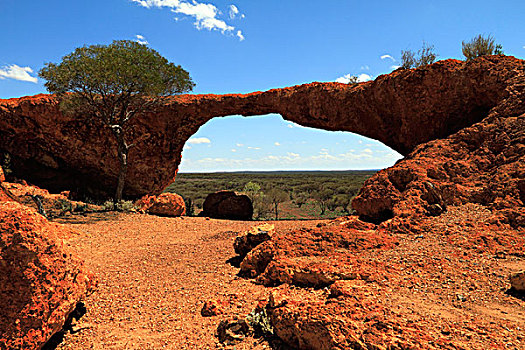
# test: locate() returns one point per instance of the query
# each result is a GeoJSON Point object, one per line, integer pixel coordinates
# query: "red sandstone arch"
{"type": "Point", "coordinates": [402, 110]}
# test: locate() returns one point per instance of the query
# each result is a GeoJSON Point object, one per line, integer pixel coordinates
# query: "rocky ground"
{"type": "Point", "coordinates": [155, 274]}
{"type": "Point", "coordinates": [440, 283]}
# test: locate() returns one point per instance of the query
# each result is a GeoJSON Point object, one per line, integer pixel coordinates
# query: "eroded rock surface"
{"type": "Point", "coordinates": [40, 281]}
{"type": "Point", "coordinates": [403, 110]}
{"type": "Point", "coordinates": [409, 283]}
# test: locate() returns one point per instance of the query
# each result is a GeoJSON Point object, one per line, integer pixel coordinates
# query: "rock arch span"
{"type": "Point", "coordinates": [403, 109]}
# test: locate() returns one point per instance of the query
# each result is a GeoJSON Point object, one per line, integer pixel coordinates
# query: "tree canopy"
{"type": "Point", "coordinates": [112, 83]}
{"type": "Point", "coordinates": [114, 79]}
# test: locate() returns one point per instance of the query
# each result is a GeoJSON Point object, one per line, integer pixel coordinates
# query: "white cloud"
{"type": "Point", "coordinates": [350, 160]}
{"type": "Point", "coordinates": [277, 144]}
{"type": "Point", "coordinates": [239, 144]}
{"type": "Point", "coordinates": [141, 40]}
{"type": "Point", "coordinates": [365, 67]}
{"type": "Point", "coordinates": [394, 67]}
{"type": "Point", "coordinates": [240, 36]}
{"type": "Point", "coordinates": [290, 126]}
{"type": "Point", "coordinates": [384, 57]}
{"type": "Point", "coordinates": [205, 15]}
{"type": "Point", "coordinates": [234, 150]}
{"type": "Point", "coordinates": [17, 73]}
{"type": "Point", "coordinates": [255, 148]}
{"type": "Point", "coordinates": [347, 78]}
{"type": "Point", "coordinates": [234, 12]}
{"type": "Point", "coordinates": [199, 140]}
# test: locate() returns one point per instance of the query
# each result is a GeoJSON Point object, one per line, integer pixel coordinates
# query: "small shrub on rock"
{"type": "Point", "coordinates": [480, 46]}
{"type": "Point", "coordinates": [425, 56]}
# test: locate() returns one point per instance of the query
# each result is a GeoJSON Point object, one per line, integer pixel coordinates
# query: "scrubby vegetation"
{"type": "Point", "coordinates": [423, 57]}
{"type": "Point", "coordinates": [481, 46]}
{"type": "Point", "coordinates": [285, 195]}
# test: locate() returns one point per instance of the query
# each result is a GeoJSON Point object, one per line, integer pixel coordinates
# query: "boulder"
{"type": "Point", "coordinates": [165, 204]}
{"type": "Point", "coordinates": [41, 282]}
{"type": "Point", "coordinates": [227, 205]}
{"type": "Point", "coordinates": [248, 240]}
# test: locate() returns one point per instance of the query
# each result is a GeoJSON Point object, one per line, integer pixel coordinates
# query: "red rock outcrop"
{"type": "Point", "coordinates": [227, 205]}
{"type": "Point", "coordinates": [483, 163]}
{"type": "Point", "coordinates": [403, 109]}
{"type": "Point", "coordinates": [40, 281]}
{"type": "Point", "coordinates": [408, 283]}
{"type": "Point", "coordinates": [165, 204]}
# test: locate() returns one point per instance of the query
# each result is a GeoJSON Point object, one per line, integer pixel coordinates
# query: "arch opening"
{"type": "Point", "coordinates": [320, 170]}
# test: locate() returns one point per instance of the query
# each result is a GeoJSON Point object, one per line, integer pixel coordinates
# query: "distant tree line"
{"type": "Point", "coordinates": [277, 195]}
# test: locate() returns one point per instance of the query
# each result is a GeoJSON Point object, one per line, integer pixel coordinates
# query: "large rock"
{"type": "Point", "coordinates": [165, 204]}
{"type": "Point", "coordinates": [227, 205]}
{"type": "Point", "coordinates": [40, 281]}
{"type": "Point", "coordinates": [402, 109]}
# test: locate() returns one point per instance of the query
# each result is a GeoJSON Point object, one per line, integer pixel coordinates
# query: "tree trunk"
{"type": "Point", "coordinates": [122, 150]}
{"type": "Point", "coordinates": [276, 211]}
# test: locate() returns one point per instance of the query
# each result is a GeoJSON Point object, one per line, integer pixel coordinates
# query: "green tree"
{"type": "Point", "coordinates": [252, 190]}
{"type": "Point", "coordinates": [300, 199]}
{"type": "Point", "coordinates": [425, 56]}
{"type": "Point", "coordinates": [480, 46]}
{"type": "Point", "coordinates": [344, 201]}
{"type": "Point", "coordinates": [112, 84]}
{"type": "Point", "coordinates": [276, 196]}
{"type": "Point", "coordinates": [323, 197]}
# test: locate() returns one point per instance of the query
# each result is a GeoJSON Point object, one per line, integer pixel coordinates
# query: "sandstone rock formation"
{"type": "Point", "coordinates": [403, 110]}
{"type": "Point", "coordinates": [165, 204]}
{"type": "Point", "coordinates": [40, 281]}
{"type": "Point", "coordinates": [484, 163]}
{"type": "Point", "coordinates": [227, 205]}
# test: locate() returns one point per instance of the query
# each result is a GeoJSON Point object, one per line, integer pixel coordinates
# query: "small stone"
{"type": "Point", "coordinates": [517, 280]}
{"type": "Point", "coordinates": [211, 308]}
{"type": "Point", "coordinates": [231, 332]}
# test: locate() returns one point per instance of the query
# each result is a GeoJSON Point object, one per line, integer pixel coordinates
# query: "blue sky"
{"type": "Point", "coordinates": [245, 45]}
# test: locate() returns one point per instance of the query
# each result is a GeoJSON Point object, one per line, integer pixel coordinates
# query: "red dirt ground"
{"type": "Point", "coordinates": [155, 273]}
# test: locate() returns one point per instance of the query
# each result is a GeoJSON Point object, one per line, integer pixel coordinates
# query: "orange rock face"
{"type": "Point", "coordinates": [40, 281]}
{"type": "Point", "coordinates": [403, 109]}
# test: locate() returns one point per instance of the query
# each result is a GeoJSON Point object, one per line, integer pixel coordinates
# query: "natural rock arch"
{"type": "Point", "coordinates": [402, 110]}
